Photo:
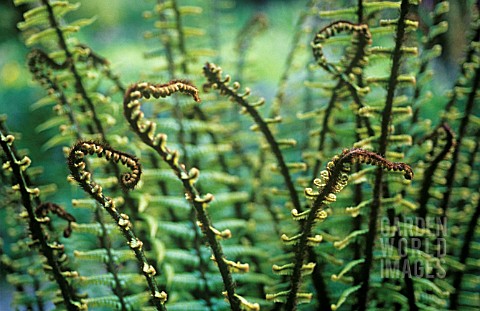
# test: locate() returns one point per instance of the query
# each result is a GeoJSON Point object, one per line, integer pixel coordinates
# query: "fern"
{"type": "Point", "coordinates": [359, 76]}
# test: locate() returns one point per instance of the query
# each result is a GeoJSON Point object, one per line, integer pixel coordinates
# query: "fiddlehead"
{"type": "Point", "coordinates": [213, 74]}
{"type": "Point", "coordinates": [43, 209]}
{"type": "Point", "coordinates": [347, 72]}
{"type": "Point", "coordinates": [362, 38]}
{"type": "Point", "coordinates": [332, 181]}
{"type": "Point", "coordinates": [146, 131]}
{"type": "Point", "coordinates": [77, 166]}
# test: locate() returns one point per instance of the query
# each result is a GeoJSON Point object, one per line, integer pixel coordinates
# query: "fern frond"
{"type": "Point", "coordinates": [215, 81]}
{"type": "Point", "coordinates": [146, 131]}
{"type": "Point", "coordinates": [333, 180]}
{"type": "Point", "coordinates": [77, 165]}
{"type": "Point", "coordinates": [52, 251]}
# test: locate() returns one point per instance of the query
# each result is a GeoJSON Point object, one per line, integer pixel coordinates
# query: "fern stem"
{"type": "Point", "coordinates": [181, 37]}
{"type": "Point", "coordinates": [336, 182]}
{"type": "Point", "coordinates": [358, 193]}
{"type": "Point", "coordinates": [213, 74]}
{"type": "Point", "coordinates": [360, 11]}
{"type": "Point", "coordinates": [179, 116]}
{"type": "Point", "coordinates": [325, 128]}
{"type": "Point", "coordinates": [77, 164]}
{"type": "Point", "coordinates": [79, 86]}
{"type": "Point", "coordinates": [35, 59]}
{"type": "Point", "coordinates": [463, 256]}
{"type": "Point", "coordinates": [106, 244]}
{"type": "Point", "coordinates": [356, 59]}
{"type": "Point", "coordinates": [205, 294]}
{"type": "Point", "coordinates": [323, 297]}
{"type": "Point", "coordinates": [357, 199]}
{"type": "Point", "coordinates": [409, 291]}
{"type": "Point", "coordinates": [9, 266]}
{"type": "Point", "coordinates": [145, 131]}
{"type": "Point", "coordinates": [378, 185]}
{"type": "Point", "coordinates": [462, 130]}
{"type": "Point", "coordinates": [427, 181]}
{"type": "Point", "coordinates": [38, 234]}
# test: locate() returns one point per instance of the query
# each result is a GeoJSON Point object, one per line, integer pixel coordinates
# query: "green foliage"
{"type": "Point", "coordinates": [188, 206]}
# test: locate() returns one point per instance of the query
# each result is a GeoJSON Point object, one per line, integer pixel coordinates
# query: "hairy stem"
{"type": "Point", "coordinates": [38, 234]}
{"type": "Point", "coordinates": [146, 132]}
{"type": "Point", "coordinates": [337, 179]}
{"type": "Point", "coordinates": [77, 166]}
{"type": "Point", "coordinates": [378, 185]}
{"type": "Point", "coordinates": [213, 74]}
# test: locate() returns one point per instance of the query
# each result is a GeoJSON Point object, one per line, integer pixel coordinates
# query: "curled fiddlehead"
{"type": "Point", "coordinates": [146, 131]}
{"type": "Point", "coordinates": [331, 181]}
{"type": "Point", "coordinates": [43, 209]}
{"type": "Point", "coordinates": [77, 166]}
{"type": "Point", "coordinates": [362, 37]}
{"type": "Point", "coordinates": [354, 60]}
{"type": "Point", "coordinates": [76, 163]}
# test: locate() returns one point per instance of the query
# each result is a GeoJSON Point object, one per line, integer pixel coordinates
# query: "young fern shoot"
{"type": "Point", "coordinates": [213, 73]}
{"type": "Point", "coordinates": [35, 213]}
{"type": "Point", "coordinates": [77, 166]}
{"type": "Point", "coordinates": [331, 182]}
{"type": "Point", "coordinates": [146, 132]}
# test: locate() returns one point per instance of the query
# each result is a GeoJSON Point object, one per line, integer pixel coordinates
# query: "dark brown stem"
{"type": "Point", "coordinates": [213, 75]}
{"type": "Point", "coordinates": [77, 166]}
{"type": "Point", "coordinates": [462, 130]}
{"type": "Point", "coordinates": [378, 185]}
{"type": "Point", "coordinates": [79, 85]}
{"type": "Point", "coordinates": [430, 171]}
{"type": "Point", "coordinates": [335, 183]}
{"type": "Point", "coordinates": [464, 255]}
{"type": "Point", "coordinates": [37, 231]}
{"type": "Point", "coordinates": [145, 131]}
